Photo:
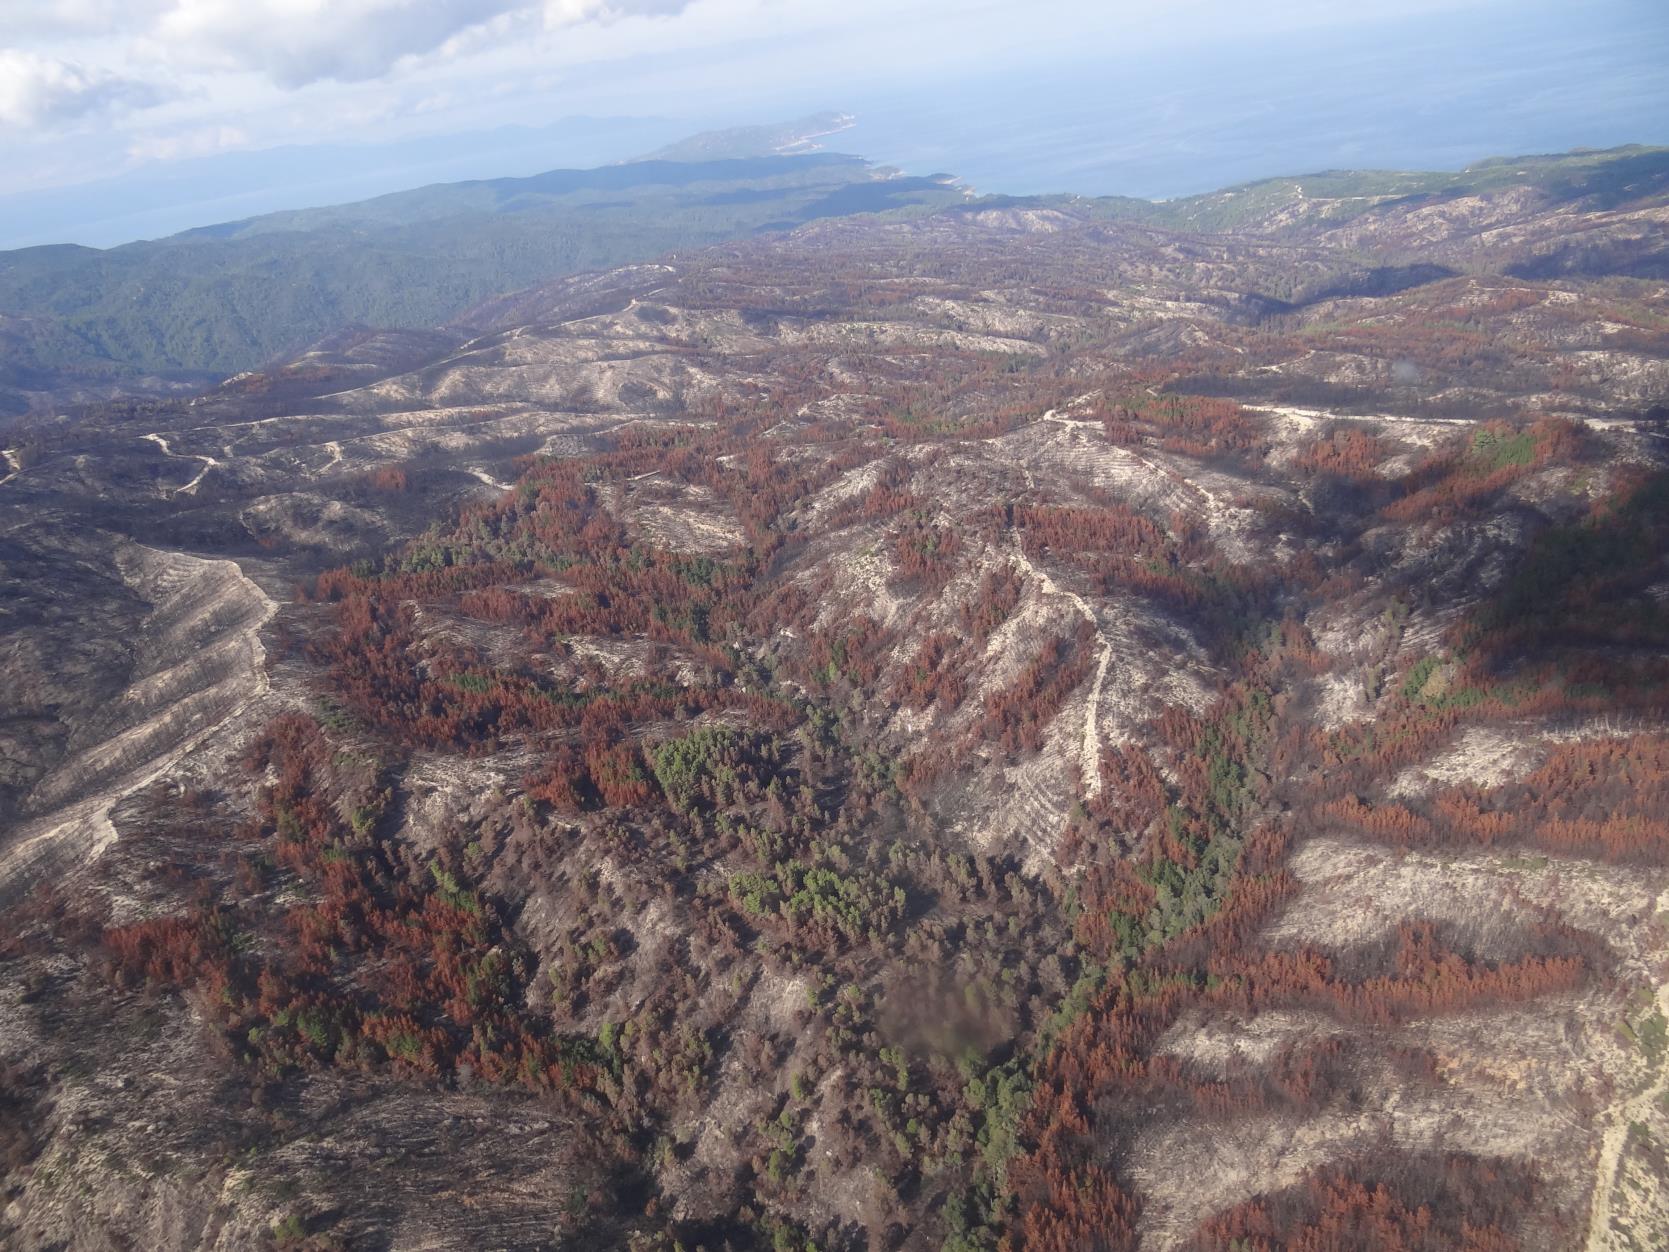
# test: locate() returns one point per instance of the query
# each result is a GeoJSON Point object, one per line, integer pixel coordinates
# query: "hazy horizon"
{"type": "Point", "coordinates": [1147, 108]}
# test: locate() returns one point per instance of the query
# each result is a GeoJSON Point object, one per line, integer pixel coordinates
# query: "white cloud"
{"type": "Point", "coordinates": [288, 71]}
{"type": "Point", "coordinates": [296, 42]}
{"type": "Point", "coordinates": [34, 19]}
{"type": "Point", "coordinates": [37, 90]}
{"type": "Point", "coordinates": [77, 58]}
{"type": "Point", "coordinates": [560, 13]}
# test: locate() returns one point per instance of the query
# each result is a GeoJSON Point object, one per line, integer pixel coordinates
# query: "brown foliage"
{"type": "Point", "coordinates": [1604, 798]}
{"type": "Point", "coordinates": [933, 674]}
{"type": "Point", "coordinates": [1451, 1204]}
{"type": "Point", "coordinates": [1019, 714]}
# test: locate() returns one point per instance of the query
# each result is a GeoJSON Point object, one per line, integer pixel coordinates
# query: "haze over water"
{"type": "Point", "coordinates": [1416, 94]}
{"type": "Point", "coordinates": [1434, 91]}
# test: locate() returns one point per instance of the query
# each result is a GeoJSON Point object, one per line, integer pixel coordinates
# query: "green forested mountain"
{"type": "Point", "coordinates": [223, 298]}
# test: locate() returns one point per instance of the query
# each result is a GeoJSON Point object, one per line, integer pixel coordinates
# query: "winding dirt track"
{"type": "Point", "coordinates": [1615, 1140]}
{"type": "Point", "coordinates": [209, 462]}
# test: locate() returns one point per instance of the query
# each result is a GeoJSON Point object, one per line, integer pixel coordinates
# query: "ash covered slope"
{"type": "Point", "coordinates": [905, 733]}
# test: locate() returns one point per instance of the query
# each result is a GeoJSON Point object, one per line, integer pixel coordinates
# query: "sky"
{"type": "Point", "coordinates": [121, 119]}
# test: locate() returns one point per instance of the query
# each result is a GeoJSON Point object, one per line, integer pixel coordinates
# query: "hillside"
{"type": "Point", "coordinates": [1011, 726]}
{"type": "Point", "coordinates": [195, 307]}
{"type": "Point", "coordinates": [176, 314]}
{"type": "Point", "coordinates": [1591, 179]}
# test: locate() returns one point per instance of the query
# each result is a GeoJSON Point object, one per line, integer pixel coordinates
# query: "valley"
{"type": "Point", "coordinates": [1011, 724]}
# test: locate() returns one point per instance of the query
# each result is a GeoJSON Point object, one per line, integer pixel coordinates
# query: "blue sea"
{"type": "Point", "coordinates": [1419, 93]}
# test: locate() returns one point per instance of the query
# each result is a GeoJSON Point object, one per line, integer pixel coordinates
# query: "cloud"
{"type": "Point", "coordinates": [296, 42]}
{"type": "Point", "coordinates": [75, 59]}
{"type": "Point", "coordinates": [559, 13]}
{"type": "Point", "coordinates": [233, 61]}
{"type": "Point", "coordinates": [37, 90]}
{"type": "Point", "coordinates": [35, 19]}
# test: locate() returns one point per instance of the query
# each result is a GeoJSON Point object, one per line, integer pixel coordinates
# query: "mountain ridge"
{"type": "Point", "coordinates": [203, 303]}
